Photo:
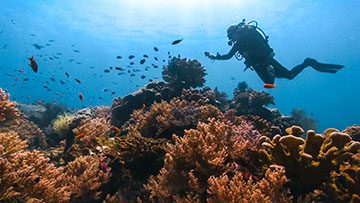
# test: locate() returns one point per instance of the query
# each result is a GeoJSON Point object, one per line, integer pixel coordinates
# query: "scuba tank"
{"type": "Point", "coordinates": [254, 24]}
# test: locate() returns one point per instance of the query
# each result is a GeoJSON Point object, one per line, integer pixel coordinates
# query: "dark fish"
{"type": "Point", "coordinates": [150, 80]}
{"type": "Point", "coordinates": [119, 68]}
{"type": "Point", "coordinates": [155, 66]}
{"type": "Point", "coordinates": [62, 82]}
{"type": "Point", "coordinates": [47, 44]}
{"type": "Point", "coordinates": [132, 63]}
{"type": "Point", "coordinates": [132, 75]}
{"type": "Point", "coordinates": [131, 56]}
{"type": "Point", "coordinates": [78, 81]}
{"type": "Point", "coordinates": [146, 69]}
{"type": "Point", "coordinates": [145, 56]}
{"type": "Point", "coordinates": [128, 71]}
{"type": "Point", "coordinates": [122, 73]}
{"type": "Point", "coordinates": [59, 53]}
{"type": "Point", "coordinates": [143, 77]}
{"type": "Point", "coordinates": [111, 67]}
{"type": "Point", "coordinates": [119, 57]}
{"type": "Point", "coordinates": [107, 71]}
{"type": "Point", "coordinates": [105, 90]}
{"type": "Point", "coordinates": [156, 59]}
{"type": "Point", "coordinates": [25, 79]}
{"type": "Point", "coordinates": [112, 93]}
{"type": "Point", "coordinates": [51, 58]}
{"type": "Point", "coordinates": [38, 46]}
{"type": "Point", "coordinates": [33, 35]}
{"type": "Point", "coordinates": [4, 46]}
{"type": "Point", "coordinates": [163, 60]}
{"type": "Point", "coordinates": [79, 63]}
{"type": "Point", "coordinates": [67, 74]}
{"type": "Point", "coordinates": [45, 86]}
{"type": "Point", "coordinates": [142, 61]}
{"type": "Point", "coordinates": [156, 49]}
{"type": "Point", "coordinates": [33, 64]}
{"type": "Point", "coordinates": [51, 40]}
{"type": "Point", "coordinates": [81, 97]}
{"type": "Point", "coordinates": [136, 70]}
{"type": "Point", "coordinates": [176, 41]}
{"type": "Point", "coordinates": [76, 51]}
{"type": "Point", "coordinates": [52, 79]}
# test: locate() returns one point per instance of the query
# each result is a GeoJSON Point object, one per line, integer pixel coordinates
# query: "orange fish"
{"type": "Point", "coordinates": [33, 64]}
{"type": "Point", "coordinates": [269, 85]}
{"type": "Point", "coordinates": [78, 136]}
{"type": "Point", "coordinates": [81, 97]}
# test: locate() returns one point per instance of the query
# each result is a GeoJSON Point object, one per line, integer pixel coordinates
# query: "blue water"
{"type": "Point", "coordinates": [101, 30]}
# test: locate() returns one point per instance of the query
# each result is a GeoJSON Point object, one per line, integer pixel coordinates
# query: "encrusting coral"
{"type": "Point", "coordinates": [308, 163]}
{"type": "Point", "coordinates": [213, 149]}
{"type": "Point", "coordinates": [184, 73]}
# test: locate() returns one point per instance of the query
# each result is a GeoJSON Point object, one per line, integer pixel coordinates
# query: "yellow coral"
{"type": "Point", "coordinates": [61, 124]}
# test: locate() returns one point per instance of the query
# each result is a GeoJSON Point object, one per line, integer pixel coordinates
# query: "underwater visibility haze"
{"type": "Point", "coordinates": [125, 90]}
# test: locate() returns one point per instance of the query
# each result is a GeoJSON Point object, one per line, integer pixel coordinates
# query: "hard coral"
{"type": "Point", "coordinates": [308, 163]}
{"type": "Point", "coordinates": [354, 132]}
{"type": "Point", "coordinates": [239, 189]}
{"type": "Point", "coordinates": [122, 108]}
{"type": "Point", "coordinates": [183, 73]}
{"type": "Point", "coordinates": [167, 118]}
{"type": "Point", "coordinates": [61, 124]}
{"type": "Point", "coordinates": [212, 149]}
{"type": "Point", "coordinates": [8, 109]}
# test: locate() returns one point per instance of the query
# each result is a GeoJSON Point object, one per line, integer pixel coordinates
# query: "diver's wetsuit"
{"type": "Point", "coordinates": [259, 55]}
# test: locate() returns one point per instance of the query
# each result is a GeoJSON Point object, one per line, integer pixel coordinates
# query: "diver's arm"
{"type": "Point", "coordinates": [222, 57]}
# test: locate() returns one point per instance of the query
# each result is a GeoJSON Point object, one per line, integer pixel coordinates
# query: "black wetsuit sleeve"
{"type": "Point", "coordinates": [228, 56]}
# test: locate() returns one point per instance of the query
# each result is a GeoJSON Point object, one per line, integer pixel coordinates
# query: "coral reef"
{"type": "Point", "coordinates": [61, 124]}
{"type": "Point", "coordinates": [8, 109]}
{"type": "Point", "coordinates": [42, 114]}
{"type": "Point", "coordinates": [238, 189]}
{"type": "Point", "coordinates": [354, 132]}
{"type": "Point", "coordinates": [213, 149]}
{"type": "Point", "coordinates": [306, 122]}
{"type": "Point", "coordinates": [167, 118]}
{"type": "Point", "coordinates": [308, 163]}
{"type": "Point", "coordinates": [184, 73]}
{"type": "Point", "coordinates": [122, 108]}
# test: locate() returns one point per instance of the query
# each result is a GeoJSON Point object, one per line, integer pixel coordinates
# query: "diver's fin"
{"type": "Point", "coordinates": [323, 67]}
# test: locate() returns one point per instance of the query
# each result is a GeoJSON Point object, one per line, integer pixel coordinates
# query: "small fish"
{"type": "Point", "coordinates": [119, 57]}
{"type": "Point", "coordinates": [156, 59]}
{"type": "Point", "coordinates": [33, 35]}
{"type": "Point", "coordinates": [142, 61]}
{"type": "Point", "coordinates": [145, 56]}
{"type": "Point", "coordinates": [105, 90]}
{"type": "Point", "coordinates": [80, 135]}
{"type": "Point", "coordinates": [132, 75]}
{"type": "Point", "coordinates": [119, 68]}
{"type": "Point", "coordinates": [76, 51]}
{"type": "Point", "coordinates": [81, 97]}
{"type": "Point", "coordinates": [112, 93]}
{"type": "Point", "coordinates": [38, 46]}
{"type": "Point", "coordinates": [51, 40]}
{"type": "Point", "coordinates": [176, 41]}
{"type": "Point", "coordinates": [67, 74]}
{"type": "Point", "coordinates": [156, 49]}
{"type": "Point", "coordinates": [150, 80]}
{"type": "Point", "coordinates": [25, 79]}
{"type": "Point", "coordinates": [33, 64]}
{"type": "Point", "coordinates": [107, 71]}
{"type": "Point", "coordinates": [111, 67]}
{"type": "Point", "coordinates": [132, 63]}
{"type": "Point", "coordinates": [62, 82]}
{"type": "Point", "coordinates": [163, 60]}
{"type": "Point", "coordinates": [269, 85]}
{"type": "Point", "coordinates": [143, 77]}
{"type": "Point", "coordinates": [78, 81]}
{"type": "Point", "coordinates": [131, 56]}
{"type": "Point", "coordinates": [52, 79]}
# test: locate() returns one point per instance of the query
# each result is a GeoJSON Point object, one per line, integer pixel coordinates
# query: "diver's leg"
{"type": "Point", "coordinates": [266, 73]}
{"type": "Point", "coordinates": [282, 72]}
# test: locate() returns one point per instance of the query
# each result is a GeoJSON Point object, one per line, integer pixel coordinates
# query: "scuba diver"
{"type": "Point", "coordinates": [248, 41]}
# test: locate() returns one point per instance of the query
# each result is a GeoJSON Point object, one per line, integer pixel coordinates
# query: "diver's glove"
{"type": "Point", "coordinates": [211, 56]}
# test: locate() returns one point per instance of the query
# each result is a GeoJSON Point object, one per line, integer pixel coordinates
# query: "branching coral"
{"type": "Point", "coordinates": [8, 109]}
{"type": "Point", "coordinates": [308, 163]}
{"type": "Point", "coordinates": [183, 73]}
{"type": "Point", "coordinates": [238, 189]}
{"type": "Point", "coordinates": [167, 118]}
{"type": "Point", "coordinates": [136, 158]}
{"type": "Point", "coordinates": [212, 149]}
